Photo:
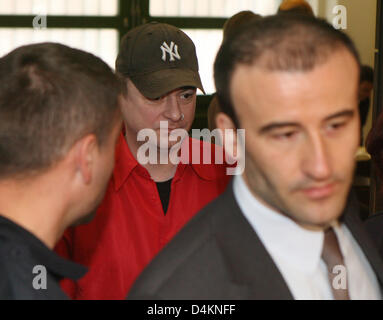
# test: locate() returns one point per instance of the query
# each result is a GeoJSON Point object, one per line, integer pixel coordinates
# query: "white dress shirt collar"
{"type": "Point", "coordinates": [297, 251]}
{"type": "Point", "coordinates": [299, 247]}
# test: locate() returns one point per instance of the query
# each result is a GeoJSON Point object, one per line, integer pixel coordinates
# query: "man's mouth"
{"type": "Point", "coordinates": [319, 192]}
{"type": "Point", "coordinates": [168, 129]}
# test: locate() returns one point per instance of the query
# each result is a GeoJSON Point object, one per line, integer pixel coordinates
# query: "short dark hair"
{"type": "Point", "coordinates": [279, 42]}
{"type": "Point", "coordinates": [366, 74]}
{"type": "Point", "coordinates": [50, 97]}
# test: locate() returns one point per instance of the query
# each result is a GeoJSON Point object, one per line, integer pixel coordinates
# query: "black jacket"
{"type": "Point", "coordinates": [29, 270]}
{"type": "Point", "coordinates": [374, 226]}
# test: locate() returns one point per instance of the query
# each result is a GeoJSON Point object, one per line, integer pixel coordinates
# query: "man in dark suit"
{"type": "Point", "coordinates": [284, 229]}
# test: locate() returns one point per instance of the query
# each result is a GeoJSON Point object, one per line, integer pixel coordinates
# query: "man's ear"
{"type": "Point", "coordinates": [223, 121]}
{"type": "Point", "coordinates": [228, 134]}
{"type": "Point", "coordinates": [85, 151]}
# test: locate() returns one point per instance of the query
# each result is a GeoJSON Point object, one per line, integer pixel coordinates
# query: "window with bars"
{"type": "Point", "coordinates": [60, 7]}
{"type": "Point", "coordinates": [207, 40]}
{"type": "Point", "coordinates": [210, 8]}
{"type": "Point", "coordinates": [102, 42]}
{"type": "Point", "coordinates": [202, 20]}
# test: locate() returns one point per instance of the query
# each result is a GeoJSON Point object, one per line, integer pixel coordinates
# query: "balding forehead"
{"type": "Point", "coordinates": [251, 85]}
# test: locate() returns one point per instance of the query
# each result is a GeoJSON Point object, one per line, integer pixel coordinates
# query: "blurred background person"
{"type": "Point", "coordinates": [295, 7]}
{"type": "Point", "coordinates": [231, 26]}
{"type": "Point", "coordinates": [366, 84]}
{"type": "Point", "coordinates": [374, 145]}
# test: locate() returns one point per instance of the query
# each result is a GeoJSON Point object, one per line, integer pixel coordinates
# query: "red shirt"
{"type": "Point", "coordinates": [130, 227]}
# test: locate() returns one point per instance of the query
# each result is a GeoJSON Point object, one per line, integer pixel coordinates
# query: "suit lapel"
{"type": "Point", "coordinates": [251, 266]}
{"type": "Point", "coordinates": [352, 221]}
{"type": "Point", "coordinates": [254, 272]}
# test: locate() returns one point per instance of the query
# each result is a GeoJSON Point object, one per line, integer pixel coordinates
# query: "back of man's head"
{"type": "Point", "coordinates": [291, 43]}
{"type": "Point", "coordinates": [50, 97]}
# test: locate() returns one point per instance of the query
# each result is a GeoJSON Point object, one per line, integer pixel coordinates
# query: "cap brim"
{"type": "Point", "coordinates": [156, 84]}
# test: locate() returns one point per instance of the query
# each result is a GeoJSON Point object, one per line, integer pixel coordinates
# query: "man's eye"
{"type": "Point", "coordinates": [284, 135]}
{"type": "Point", "coordinates": [156, 99]}
{"type": "Point", "coordinates": [187, 95]}
{"type": "Point", "coordinates": [336, 125]}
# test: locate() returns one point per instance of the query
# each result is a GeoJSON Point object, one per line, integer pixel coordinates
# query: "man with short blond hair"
{"type": "Point", "coordinates": [59, 122]}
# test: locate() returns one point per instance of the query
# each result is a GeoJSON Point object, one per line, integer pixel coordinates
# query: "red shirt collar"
{"type": "Point", "coordinates": [125, 163]}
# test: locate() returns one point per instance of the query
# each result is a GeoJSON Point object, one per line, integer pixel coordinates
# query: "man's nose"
{"type": "Point", "coordinates": [316, 159]}
{"type": "Point", "coordinates": [173, 109]}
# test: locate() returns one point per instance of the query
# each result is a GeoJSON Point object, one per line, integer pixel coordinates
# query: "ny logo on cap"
{"type": "Point", "coordinates": [166, 49]}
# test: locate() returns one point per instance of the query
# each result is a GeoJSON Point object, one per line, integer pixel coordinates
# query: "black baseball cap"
{"type": "Point", "coordinates": [158, 58]}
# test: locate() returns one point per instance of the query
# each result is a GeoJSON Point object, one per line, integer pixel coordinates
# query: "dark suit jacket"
{"type": "Point", "coordinates": [374, 226]}
{"type": "Point", "coordinates": [219, 256]}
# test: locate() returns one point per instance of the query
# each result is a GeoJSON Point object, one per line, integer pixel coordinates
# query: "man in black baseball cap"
{"type": "Point", "coordinates": [146, 203]}
{"type": "Point", "coordinates": [158, 58]}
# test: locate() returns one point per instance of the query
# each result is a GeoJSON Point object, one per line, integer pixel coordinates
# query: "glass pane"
{"type": "Point", "coordinates": [100, 42]}
{"type": "Point", "coordinates": [207, 43]}
{"type": "Point", "coordinates": [211, 8]}
{"type": "Point", "coordinates": [60, 7]}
